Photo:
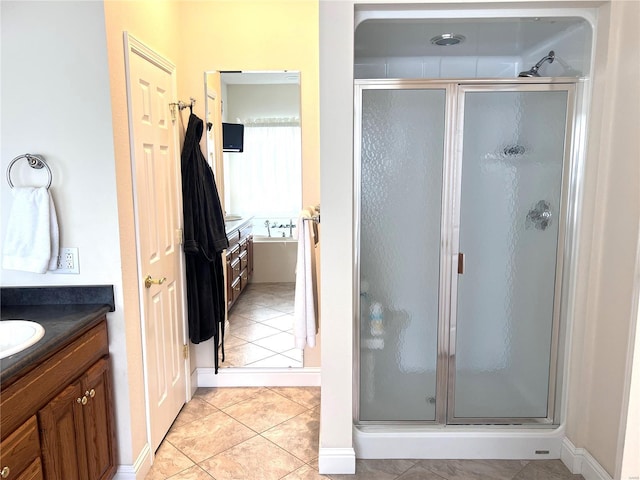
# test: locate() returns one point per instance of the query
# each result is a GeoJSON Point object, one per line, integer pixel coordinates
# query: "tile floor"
{"type": "Point", "coordinates": [261, 328]}
{"type": "Point", "coordinates": [271, 433]}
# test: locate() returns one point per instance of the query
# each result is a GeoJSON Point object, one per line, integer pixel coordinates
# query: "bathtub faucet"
{"type": "Point", "coordinates": [266, 224]}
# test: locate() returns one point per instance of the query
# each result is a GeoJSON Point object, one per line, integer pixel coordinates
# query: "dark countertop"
{"type": "Point", "coordinates": [62, 322]}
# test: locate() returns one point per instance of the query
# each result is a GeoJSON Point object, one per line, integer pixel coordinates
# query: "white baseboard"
{"type": "Point", "coordinates": [579, 460]}
{"type": "Point", "coordinates": [336, 461]}
{"type": "Point", "coordinates": [139, 469]}
{"type": "Point", "coordinates": [258, 377]}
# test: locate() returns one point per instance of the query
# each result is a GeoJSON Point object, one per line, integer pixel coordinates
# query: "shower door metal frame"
{"type": "Point", "coordinates": [445, 274]}
{"type": "Point", "coordinates": [449, 236]}
{"type": "Point", "coordinates": [563, 221]}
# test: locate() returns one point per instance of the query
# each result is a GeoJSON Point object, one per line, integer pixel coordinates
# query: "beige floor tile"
{"type": "Point", "coordinates": [255, 459]}
{"type": "Point", "coordinates": [546, 470]}
{"type": "Point", "coordinates": [419, 473]}
{"type": "Point", "coordinates": [280, 342]}
{"type": "Point", "coordinates": [238, 321]}
{"type": "Point", "coordinates": [377, 470]}
{"type": "Point", "coordinates": [194, 409]}
{"type": "Point", "coordinates": [256, 312]}
{"type": "Point", "coordinates": [295, 354]}
{"type": "Point", "coordinates": [282, 323]}
{"type": "Point", "coordinates": [298, 436]}
{"type": "Point", "coordinates": [168, 461]}
{"type": "Point", "coordinates": [276, 361]}
{"type": "Point", "coordinates": [306, 396]}
{"type": "Point", "coordinates": [474, 469]}
{"type": "Point", "coordinates": [283, 305]}
{"type": "Point", "coordinates": [227, 396]}
{"type": "Point", "coordinates": [242, 355]}
{"type": "Point", "coordinates": [209, 435]}
{"type": "Point", "coordinates": [193, 473]}
{"type": "Point", "coordinates": [251, 333]}
{"type": "Point", "coordinates": [265, 410]}
{"type": "Point", "coordinates": [305, 473]}
{"type": "Point", "coordinates": [231, 340]}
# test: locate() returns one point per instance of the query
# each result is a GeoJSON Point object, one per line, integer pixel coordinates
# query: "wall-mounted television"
{"type": "Point", "coordinates": [232, 137]}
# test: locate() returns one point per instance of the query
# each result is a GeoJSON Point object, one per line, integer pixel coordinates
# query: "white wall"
{"type": "Point", "coordinates": [336, 194]}
{"type": "Point", "coordinates": [56, 102]}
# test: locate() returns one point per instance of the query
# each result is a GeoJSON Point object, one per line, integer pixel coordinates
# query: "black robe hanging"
{"type": "Point", "coordinates": [204, 240]}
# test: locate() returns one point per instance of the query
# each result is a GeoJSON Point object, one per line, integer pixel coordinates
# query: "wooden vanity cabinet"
{"type": "Point", "coordinates": [67, 402]}
{"type": "Point", "coordinates": [73, 427]}
{"type": "Point", "coordinates": [20, 453]}
{"type": "Point", "coordinates": [239, 262]}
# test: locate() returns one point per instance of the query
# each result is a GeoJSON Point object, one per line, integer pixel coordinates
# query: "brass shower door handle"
{"type": "Point", "coordinates": [153, 281]}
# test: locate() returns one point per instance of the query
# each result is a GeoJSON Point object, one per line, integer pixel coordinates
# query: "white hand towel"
{"type": "Point", "coordinates": [31, 243]}
{"type": "Point", "coordinates": [305, 314]}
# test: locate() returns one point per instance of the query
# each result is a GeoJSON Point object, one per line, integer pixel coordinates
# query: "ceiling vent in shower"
{"type": "Point", "coordinates": [447, 39]}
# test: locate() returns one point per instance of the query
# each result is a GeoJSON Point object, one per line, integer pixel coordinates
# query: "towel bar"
{"type": "Point", "coordinates": [35, 161]}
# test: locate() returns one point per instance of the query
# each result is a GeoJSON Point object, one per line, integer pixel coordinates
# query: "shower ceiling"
{"type": "Point", "coordinates": [484, 37]}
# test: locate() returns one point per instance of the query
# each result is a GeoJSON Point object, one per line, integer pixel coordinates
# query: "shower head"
{"type": "Point", "coordinates": [533, 72]}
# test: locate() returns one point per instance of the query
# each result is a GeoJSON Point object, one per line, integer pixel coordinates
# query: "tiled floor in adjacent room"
{"type": "Point", "coordinates": [271, 433]}
{"type": "Point", "coordinates": [261, 328]}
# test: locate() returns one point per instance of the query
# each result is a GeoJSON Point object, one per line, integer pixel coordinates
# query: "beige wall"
{"type": "Point", "coordinates": [610, 229]}
{"type": "Point", "coordinates": [155, 24]}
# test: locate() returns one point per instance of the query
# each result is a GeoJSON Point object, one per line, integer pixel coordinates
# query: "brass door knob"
{"type": "Point", "coordinates": [153, 281]}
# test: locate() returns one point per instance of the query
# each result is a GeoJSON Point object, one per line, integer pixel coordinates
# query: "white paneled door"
{"type": "Point", "coordinates": [155, 163]}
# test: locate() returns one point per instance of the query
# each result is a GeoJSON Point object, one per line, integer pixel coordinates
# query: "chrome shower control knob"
{"type": "Point", "coordinates": [540, 215]}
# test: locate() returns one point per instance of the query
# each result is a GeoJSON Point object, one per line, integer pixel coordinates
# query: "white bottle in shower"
{"type": "Point", "coordinates": [376, 317]}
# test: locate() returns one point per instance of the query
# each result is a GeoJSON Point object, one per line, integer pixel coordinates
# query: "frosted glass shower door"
{"type": "Point", "coordinates": [510, 212]}
{"type": "Point", "coordinates": [401, 133]}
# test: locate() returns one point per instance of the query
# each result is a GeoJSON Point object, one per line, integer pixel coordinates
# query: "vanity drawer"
{"type": "Point", "coordinates": [20, 450]}
{"type": "Point", "coordinates": [244, 260]}
{"type": "Point", "coordinates": [235, 290]}
{"type": "Point", "coordinates": [234, 252]}
{"type": "Point", "coordinates": [235, 269]}
{"type": "Point", "coordinates": [244, 279]}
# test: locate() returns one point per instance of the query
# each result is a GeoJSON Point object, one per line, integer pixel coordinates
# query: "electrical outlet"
{"type": "Point", "coordinates": [68, 261]}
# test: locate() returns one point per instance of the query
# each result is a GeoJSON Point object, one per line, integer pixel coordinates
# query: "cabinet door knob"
{"type": "Point", "coordinates": [4, 473]}
{"type": "Point", "coordinates": [82, 400]}
{"type": "Point", "coordinates": [90, 393]}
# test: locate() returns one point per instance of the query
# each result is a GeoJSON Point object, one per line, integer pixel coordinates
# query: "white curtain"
{"type": "Point", "coordinates": [265, 180]}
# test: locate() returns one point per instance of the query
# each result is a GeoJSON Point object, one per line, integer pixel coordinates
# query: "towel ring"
{"type": "Point", "coordinates": [35, 161]}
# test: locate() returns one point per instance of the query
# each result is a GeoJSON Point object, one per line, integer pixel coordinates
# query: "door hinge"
{"type": "Point", "coordinates": [179, 236]}
{"type": "Point", "coordinates": [185, 351]}
{"type": "Point", "coordinates": [460, 263]}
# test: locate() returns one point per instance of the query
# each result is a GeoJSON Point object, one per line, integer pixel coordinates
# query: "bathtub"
{"type": "Point", "coordinates": [274, 234]}
{"type": "Point", "coordinates": [274, 258]}
{"type": "Point", "coordinates": [263, 239]}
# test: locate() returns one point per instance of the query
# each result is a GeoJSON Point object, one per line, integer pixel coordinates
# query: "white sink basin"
{"type": "Point", "coordinates": [16, 335]}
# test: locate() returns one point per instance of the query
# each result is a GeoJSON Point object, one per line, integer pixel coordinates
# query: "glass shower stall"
{"type": "Point", "coordinates": [461, 201]}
